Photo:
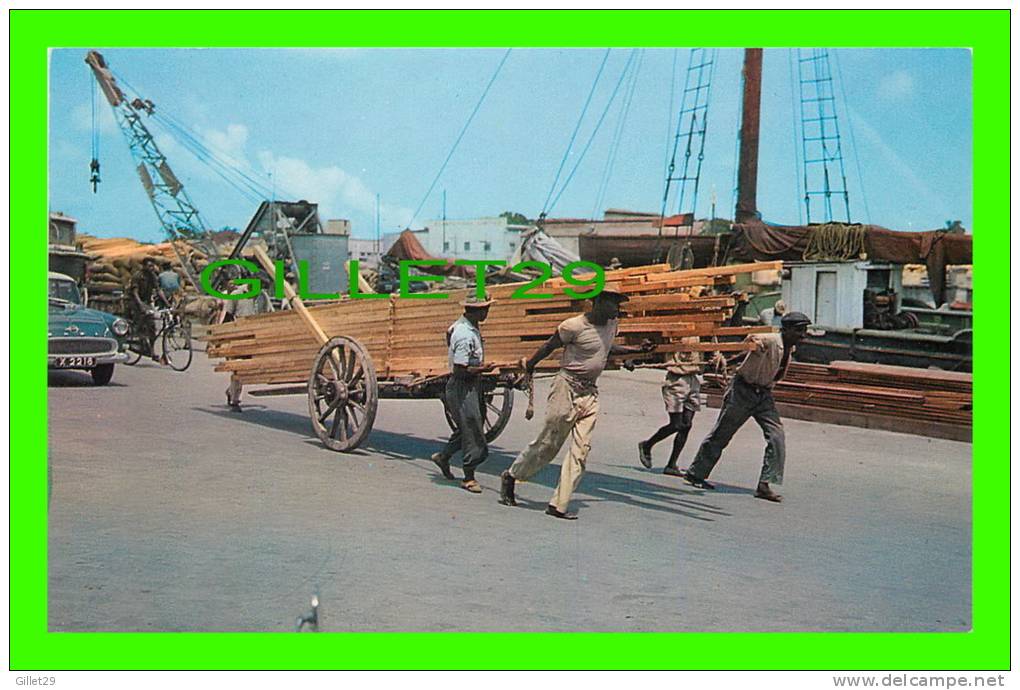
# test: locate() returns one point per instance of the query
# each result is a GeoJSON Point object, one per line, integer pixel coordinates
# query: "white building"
{"type": "Point", "coordinates": [475, 238]}
{"type": "Point", "coordinates": [365, 251]}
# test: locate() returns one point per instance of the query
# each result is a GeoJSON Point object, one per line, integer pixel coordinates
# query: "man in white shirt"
{"type": "Point", "coordinates": [463, 399]}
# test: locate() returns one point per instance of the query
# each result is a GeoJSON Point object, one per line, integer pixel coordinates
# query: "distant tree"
{"type": "Point", "coordinates": [514, 218]}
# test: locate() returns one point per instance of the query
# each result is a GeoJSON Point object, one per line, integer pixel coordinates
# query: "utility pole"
{"type": "Point", "coordinates": [444, 225]}
{"type": "Point", "coordinates": [378, 247]}
{"type": "Point", "coordinates": [747, 172]}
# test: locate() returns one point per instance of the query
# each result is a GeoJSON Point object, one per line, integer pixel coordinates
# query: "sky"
{"type": "Point", "coordinates": [347, 127]}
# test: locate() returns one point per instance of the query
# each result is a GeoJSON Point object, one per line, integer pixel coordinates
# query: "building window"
{"type": "Point", "coordinates": [487, 246]}
{"type": "Point", "coordinates": [446, 247]}
{"type": "Point", "coordinates": [513, 246]}
{"type": "Point", "coordinates": [467, 246]}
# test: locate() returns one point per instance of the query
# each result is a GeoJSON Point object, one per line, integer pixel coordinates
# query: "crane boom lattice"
{"type": "Point", "coordinates": [177, 215]}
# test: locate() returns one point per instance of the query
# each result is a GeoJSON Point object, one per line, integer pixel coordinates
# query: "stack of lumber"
{"type": "Point", "coordinates": [897, 398]}
{"type": "Point", "coordinates": [114, 260]}
{"type": "Point", "coordinates": [405, 337]}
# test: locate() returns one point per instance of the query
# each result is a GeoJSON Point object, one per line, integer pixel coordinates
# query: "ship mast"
{"type": "Point", "coordinates": [747, 171]}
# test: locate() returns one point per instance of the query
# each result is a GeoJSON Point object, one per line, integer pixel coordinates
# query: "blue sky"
{"type": "Point", "coordinates": [341, 126]}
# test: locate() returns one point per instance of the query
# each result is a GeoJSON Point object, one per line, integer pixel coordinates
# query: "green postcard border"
{"type": "Point", "coordinates": [32, 33]}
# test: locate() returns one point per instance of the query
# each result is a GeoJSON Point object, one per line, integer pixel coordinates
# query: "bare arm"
{"type": "Point", "coordinates": [646, 346]}
{"type": "Point", "coordinates": [461, 371]}
{"type": "Point", "coordinates": [547, 349]}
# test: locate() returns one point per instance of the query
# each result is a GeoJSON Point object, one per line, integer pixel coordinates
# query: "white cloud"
{"type": "Point", "coordinates": [338, 193]}
{"type": "Point", "coordinates": [898, 85]}
{"type": "Point", "coordinates": [81, 117]}
{"type": "Point", "coordinates": [899, 165]}
{"type": "Point", "coordinates": [230, 141]}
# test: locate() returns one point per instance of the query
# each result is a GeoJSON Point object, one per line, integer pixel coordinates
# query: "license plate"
{"type": "Point", "coordinates": [74, 362]}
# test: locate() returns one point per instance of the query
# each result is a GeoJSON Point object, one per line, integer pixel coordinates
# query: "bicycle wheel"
{"type": "Point", "coordinates": [177, 346]}
{"type": "Point", "coordinates": [133, 355]}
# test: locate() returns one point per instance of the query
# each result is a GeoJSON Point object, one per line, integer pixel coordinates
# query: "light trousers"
{"type": "Point", "coordinates": [568, 414]}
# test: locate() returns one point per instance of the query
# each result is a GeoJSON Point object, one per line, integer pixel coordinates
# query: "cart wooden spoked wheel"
{"type": "Point", "coordinates": [343, 394]}
{"type": "Point", "coordinates": [497, 405]}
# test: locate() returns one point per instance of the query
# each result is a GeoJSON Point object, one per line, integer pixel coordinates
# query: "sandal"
{"type": "Point", "coordinates": [471, 485]}
{"type": "Point", "coordinates": [673, 471]}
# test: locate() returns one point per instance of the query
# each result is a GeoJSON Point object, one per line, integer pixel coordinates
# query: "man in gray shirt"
{"type": "Point", "coordinates": [573, 406]}
{"type": "Point", "coordinates": [463, 399]}
{"type": "Point", "coordinates": [750, 395]}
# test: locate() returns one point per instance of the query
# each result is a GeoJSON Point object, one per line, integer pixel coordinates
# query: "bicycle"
{"type": "Point", "coordinates": [173, 333]}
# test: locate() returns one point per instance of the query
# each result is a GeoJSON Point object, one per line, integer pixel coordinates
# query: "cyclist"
{"type": "Point", "coordinates": [143, 291]}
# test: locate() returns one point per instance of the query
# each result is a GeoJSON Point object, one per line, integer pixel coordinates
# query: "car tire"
{"type": "Point", "coordinates": [102, 374]}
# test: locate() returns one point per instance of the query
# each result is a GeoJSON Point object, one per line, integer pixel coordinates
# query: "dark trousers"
{"type": "Point", "coordinates": [463, 402]}
{"type": "Point", "coordinates": [742, 402]}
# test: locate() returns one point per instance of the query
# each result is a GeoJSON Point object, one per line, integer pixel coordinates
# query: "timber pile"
{"type": "Point", "coordinates": [406, 337]}
{"type": "Point", "coordinates": [856, 388]}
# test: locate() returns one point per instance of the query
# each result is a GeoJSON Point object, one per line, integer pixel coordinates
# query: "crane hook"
{"type": "Point", "coordinates": [94, 177]}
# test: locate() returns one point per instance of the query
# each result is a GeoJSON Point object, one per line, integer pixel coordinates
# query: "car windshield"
{"type": "Point", "coordinates": [64, 290]}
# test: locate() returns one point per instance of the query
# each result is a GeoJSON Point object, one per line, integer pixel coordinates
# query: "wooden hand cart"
{"type": "Point", "coordinates": [347, 355]}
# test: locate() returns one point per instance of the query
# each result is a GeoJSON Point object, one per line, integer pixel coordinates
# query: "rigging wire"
{"type": "Point", "coordinates": [707, 58]}
{"type": "Point", "coordinates": [595, 131]}
{"type": "Point", "coordinates": [460, 136]}
{"type": "Point", "coordinates": [736, 146]}
{"type": "Point", "coordinates": [795, 120]}
{"type": "Point", "coordinates": [577, 127]}
{"type": "Point", "coordinates": [669, 120]}
{"type": "Point", "coordinates": [853, 142]}
{"type": "Point", "coordinates": [704, 135]}
{"type": "Point", "coordinates": [614, 147]}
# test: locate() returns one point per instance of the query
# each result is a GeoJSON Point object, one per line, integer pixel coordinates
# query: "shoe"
{"type": "Point", "coordinates": [767, 494]}
{"type": "Point", "coordinates": [506, 489]}
{"type": "Point", "coordinates": [471, 485]}
{"type": "Point", "coordinates": [443, 463]}
{"type": "Point", "coordinates": [698, 483]}
{"type": "Point", "coordinates": [644, 455]}
{"type": "Point", "coordinates": [673, 471]}
{"type": "Point", "coordinates": [551, 510]}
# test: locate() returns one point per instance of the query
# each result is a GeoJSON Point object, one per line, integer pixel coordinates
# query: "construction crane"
{"type": "Point", "coordinates": [177, 214]}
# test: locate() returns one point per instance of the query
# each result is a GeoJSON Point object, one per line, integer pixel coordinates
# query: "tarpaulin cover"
{"type": "Point", "coordinates": [538, 246]}
{"type": "Point", "coordinates": [640, 250]}
{"type": "Point", "coordinates": [408, 248]}
{"type": "Point", "coordinates": [934, 248]}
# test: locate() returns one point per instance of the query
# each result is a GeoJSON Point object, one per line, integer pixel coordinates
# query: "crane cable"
{"type": "Point", "coordinates": [223, 157]}
{"type": "Point", "coordinates": [460, 136]}
{"type": "Point", "coordinates": [220, 162]}
{"type": "Point", "coordinates": [94, 163]}
{"type": "Point", "coordinates": [591, 138]}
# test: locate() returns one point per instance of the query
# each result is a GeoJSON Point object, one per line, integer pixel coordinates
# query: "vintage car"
{"type": "Point", "coordinates": [82, 338]}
